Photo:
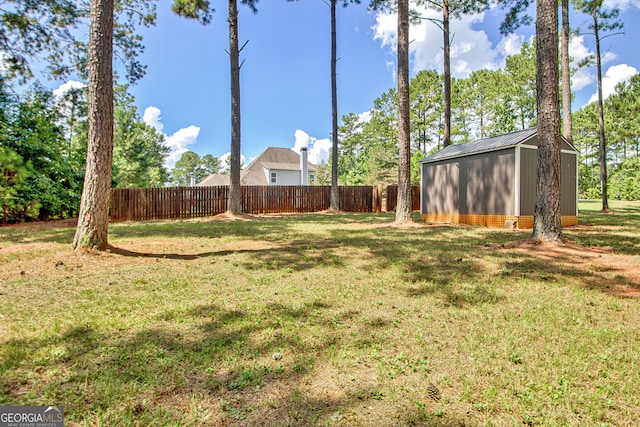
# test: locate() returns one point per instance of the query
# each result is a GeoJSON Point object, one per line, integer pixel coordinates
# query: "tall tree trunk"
{"type": "Point", "coordinates": [566, 74]}
{"type": "Point", "coordinates": [93, 218]}
{"type": "Point", "coordinates": [547, 224]}
{"type": "Point", "coordinates": [403, 205]}
{"type": "Point", "coordinates": [603, 142]}
{"type": "Point", "coordinates": [234, 206]}
{"type": "Point", "coordinates": [335, 202]}
{"type": "Point", "coordinates": [447, 74]}
{"type": "Point", "coordinates": [481, 119]}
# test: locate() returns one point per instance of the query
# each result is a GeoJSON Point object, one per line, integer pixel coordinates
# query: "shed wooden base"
{"type": "Point", "coordinates": [510, 221]}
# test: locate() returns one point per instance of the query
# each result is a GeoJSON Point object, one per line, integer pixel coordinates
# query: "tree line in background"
{"type": "Point", "coordinates": [43, 139]}
{"type": "Point", "coordinates": [489, 103]}
{"type": "Point", "coordinates": [43, 148]}
{"type": "Point", "coordinates": [622, 133]}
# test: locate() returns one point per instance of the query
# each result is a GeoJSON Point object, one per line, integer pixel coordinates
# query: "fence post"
{"type": "Point", "coordinates": [377, 198]}
{"type": "Point", "coordinates": [415, 198]}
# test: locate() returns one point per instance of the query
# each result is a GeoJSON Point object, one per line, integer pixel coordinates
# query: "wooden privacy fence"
{"type": "Point", "coordinates": [134, 204]}
{"type": "Point", "coordinates": [392, 197]}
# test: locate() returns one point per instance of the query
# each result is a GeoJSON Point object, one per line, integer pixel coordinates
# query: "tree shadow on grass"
{"type": "Point", "coordinates": [184, 257]}
{"type": "Point", "coordinates": [268, 227]}
{"type": "Point", "coordinates": [204, 355]}
{"type": "Point", "coordinates": [26, 235]}
{"type": "Point", "coordinates": [467, 295]}
{"type": "Point", "coordinates": [196, 365]}
{"type": "Point", "coordinates": [618, 217]}
{"type": "Point", "coordinates": [623, 239]}
{"type": "Point", "coordinates": [571, 263]}
{"type": "Point", "coordinates": [558, 269]}
{"type": "Point", "coordinates": [429, 260]}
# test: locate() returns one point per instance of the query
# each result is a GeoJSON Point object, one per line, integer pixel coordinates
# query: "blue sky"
{"type": "Point", "coordinates": [285, 80]}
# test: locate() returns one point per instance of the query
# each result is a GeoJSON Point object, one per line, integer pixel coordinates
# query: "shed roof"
{"type": "Point", "coordinates": [493, 143]}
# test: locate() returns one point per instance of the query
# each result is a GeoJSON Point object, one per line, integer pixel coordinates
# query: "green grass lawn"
{"type": "Point", "coordinates": [324, 320]}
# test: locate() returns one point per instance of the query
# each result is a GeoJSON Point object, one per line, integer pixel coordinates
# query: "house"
{"type": "Point", "coordinates": [275, 166]}
{"type": "Point", "coordinates": [492, 182]}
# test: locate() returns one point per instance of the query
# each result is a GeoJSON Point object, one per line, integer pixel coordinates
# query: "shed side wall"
{"type": "Point", "coordinates": [473, 185]}
{"type": "Point", "coordinates": [440, 187]}
{"type": "Point", "coordinates": [486, 183]}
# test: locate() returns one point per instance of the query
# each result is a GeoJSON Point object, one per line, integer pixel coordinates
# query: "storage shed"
{"type": "Point", "coordinates": [492, 182]}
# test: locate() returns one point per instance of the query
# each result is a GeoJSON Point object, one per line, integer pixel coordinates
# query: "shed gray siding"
{"type": "Point", "coordinates": [492, 180]}
{"type": "Point", "coordinates": [528, 174]}
{"type": "Point", "coordinates": [480, 184]}
{"type": "Point", "coordinates": [568, 184]}
{"type": "Point", "coordinates": [440, 194]}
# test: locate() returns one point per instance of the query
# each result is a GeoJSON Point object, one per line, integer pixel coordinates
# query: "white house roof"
{"type": "Point", "coordinates": [494, 143]}
{"type": "Point", "coordinates": [273, 158]}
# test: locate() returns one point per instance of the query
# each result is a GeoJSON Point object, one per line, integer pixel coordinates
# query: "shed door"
{"type": "Point", "coordinates": [528, 176]}
{"type": "Point", "coordinates": [568, 184]}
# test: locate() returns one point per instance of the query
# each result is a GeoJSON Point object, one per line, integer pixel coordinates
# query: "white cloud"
{"type": "Point", "coordinates": [581, 79]}
{"type": "Point", "coordinates": [471, 49]}
{"type": "Point", "coordinates": [614, 75]}
{"type": "Point", "coordinates": [511, 44]}
{"type": "Point", "coordinates": [578, 50]}
{"type": "Point", "coordinates": [319, 153]}
{"type": "Point", "coordinates": [391, 67]}
{"type": "Point", "coordinates": [586, 75]}
{"type": "Point", "coordinates": [3, 63]}
{"type": "Point", "coordinates": [386, 29]}
{"type": "Point", "coordinates": [66, 106]}
{"type": "Point", "coordinates": [609, 57]}
{"type": "Point", "coordinates": [364, 117]}
{"type": "Point", "coordinates": [319, 149]}
{"type": "Point", "coordinates": [152, 118]}
{"type": "Point", "coordinates": [223, 162]}
{"type": "Point", "coordinates": [66, 87]}
{"type": "Point", "coordinates": [622, 4]}
{"type": "Point", "coordinates": [302, 140]}
{"type": "Point", "coordinates": [178, 143]}
{"type": "Point", "coordinates": [224, 167]}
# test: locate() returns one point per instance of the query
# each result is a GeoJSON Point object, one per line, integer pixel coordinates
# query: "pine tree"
{"type": "Point", "coordinates": [93, 219]}
{"type": "Point", "coordinates": [603, 21]}
{"type": "Point", "coordinates": [403, 206]}
{"type": "Point", "coordinates": [200, 10]}
{"type": "Point", "coordinates": [547, 224]}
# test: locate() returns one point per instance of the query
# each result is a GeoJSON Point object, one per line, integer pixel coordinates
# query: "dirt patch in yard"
{"type": "Point", "coordinates": [603, 268]}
